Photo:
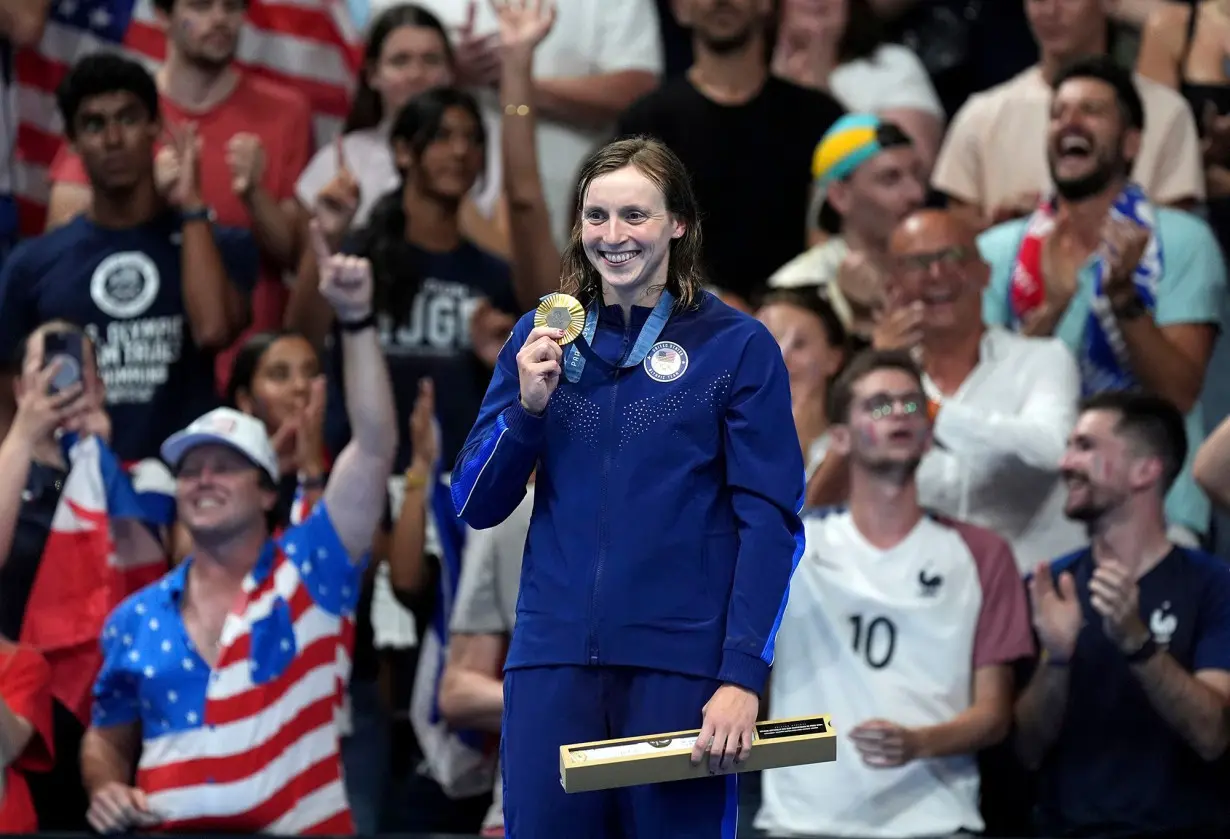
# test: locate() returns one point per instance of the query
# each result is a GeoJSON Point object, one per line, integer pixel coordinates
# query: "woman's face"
{"type": "Point", "coordinates": [626, 230]}
{"type": "Point", "coordinates": [811, 360]}
{"type": "Point", "coordinates": [452, 161]}
{"type": "Point", "coordinates": [413, 59]}
{"type": "Point", "coordinates": [816, 17]}
{"type": "Point", "coordinates": [282, 382]}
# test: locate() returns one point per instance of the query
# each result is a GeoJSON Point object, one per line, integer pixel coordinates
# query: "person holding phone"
{"type": "Point", "coordinates": [35, 468]}
{"type": "Point", "coordinates": [155, 284]}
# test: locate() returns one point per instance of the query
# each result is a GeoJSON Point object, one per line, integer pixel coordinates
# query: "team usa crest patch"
{"type": "Point", "coordinates": [666, 362]}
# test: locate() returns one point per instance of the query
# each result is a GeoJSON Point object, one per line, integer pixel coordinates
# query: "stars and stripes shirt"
{"type": "Point", "coordinates": [251, 745]}
{"type": "Point", "coordinates": [309, 45]}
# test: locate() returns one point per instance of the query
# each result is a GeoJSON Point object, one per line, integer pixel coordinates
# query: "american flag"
{"type": "Point", "coordinates": [309, 44]}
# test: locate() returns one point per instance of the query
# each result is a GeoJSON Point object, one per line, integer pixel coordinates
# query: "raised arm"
{"type": "Point", "coordinates": [535, 258]}
{"type": "Point", "coordinates": [357, 488]}
{"type": "Point", "coordinates": [215, 308]}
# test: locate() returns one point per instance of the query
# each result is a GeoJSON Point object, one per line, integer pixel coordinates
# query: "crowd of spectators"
{"type": "Point", "coordinates": [988, 235]}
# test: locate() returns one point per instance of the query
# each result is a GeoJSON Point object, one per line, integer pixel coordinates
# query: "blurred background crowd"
{"type": "Point", "coordinates": [1077, 153]}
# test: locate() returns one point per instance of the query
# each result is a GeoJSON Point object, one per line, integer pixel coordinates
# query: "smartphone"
{"type": "Point", "coordinates": [65, 347]}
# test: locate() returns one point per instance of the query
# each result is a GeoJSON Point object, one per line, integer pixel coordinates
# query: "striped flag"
{"type": "Point", "coordinates": [89, 565]}
{"type": "Point", "coordinates": [308, 44]}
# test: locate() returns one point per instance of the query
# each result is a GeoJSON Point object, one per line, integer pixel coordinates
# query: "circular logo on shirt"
{"type": "Point", "coordinates": [666, 362]}
{"type": "Point", "coordinates": [125, 284]}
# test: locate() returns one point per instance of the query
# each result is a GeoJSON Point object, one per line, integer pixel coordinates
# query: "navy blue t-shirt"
{"type": "Point", "coordinates": [432, 339]}
{"type": "Point", "coordinates": [124, 288]}
{"type": "Point", "coordinates": [1117, 766]}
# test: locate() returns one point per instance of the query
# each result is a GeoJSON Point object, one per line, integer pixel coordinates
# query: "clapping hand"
{"type": "Point", "coordinates": [1123, 244]}
{"type": "Point", "coordinates": [245, 157]}
{"type": "Point", "coordinates": [424, 431]}
{"type": "Point", "coordinates": [1114, 595]}
{"type": "Point", "coordinates": [301, 435]}
{"type": "Point", "coordinates": [345, 281]}
{"type": "Point", "coordinates": [1057, 616]}
{"type": "Point", "coordinates": [185, 191]}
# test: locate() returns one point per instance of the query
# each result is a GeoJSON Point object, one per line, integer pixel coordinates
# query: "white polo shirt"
{"type": "Point", "coordinates": [893, 634]}
{"type": "Point", "coordinates": [998, 441]}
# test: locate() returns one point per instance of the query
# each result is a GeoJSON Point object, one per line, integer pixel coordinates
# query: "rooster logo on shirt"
{"type": "Point", "coordinates": [1163, 624]}
{"type": "Point", "coordinates": [929, 585]}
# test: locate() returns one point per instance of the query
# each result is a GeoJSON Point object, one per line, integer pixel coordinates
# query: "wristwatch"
{"type": "Point", "coordinates": [1130, 309]}
{"type": "Point", "coordinates": [1144, 652]}
{"type": "Point", "coordinates": [202, 213]}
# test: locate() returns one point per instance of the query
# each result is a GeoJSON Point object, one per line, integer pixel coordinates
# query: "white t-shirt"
{"type": "Point", "coordinates": [892, 634]}
{"type": "Point", "coordinates": [370, 158]}
{"type": "Point", "coordinates": [590, 37]}
{"type": "Point", "coordinates": [893, 77]}
{"type": "Point", "coordinates": [998, 443]}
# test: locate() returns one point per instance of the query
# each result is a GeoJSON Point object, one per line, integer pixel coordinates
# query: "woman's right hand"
{"type": "Point", "coordinates": [338, 201]}
{"type": "Point", "coordinates": [40, 412]}
{"type": "Point", "coordinates": [524, 23]}
{"type": "Point", "coordinates": [539, 367]}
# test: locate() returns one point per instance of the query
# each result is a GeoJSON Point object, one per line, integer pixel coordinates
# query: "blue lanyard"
{"type": "Point", "coordinates": [580, 350]}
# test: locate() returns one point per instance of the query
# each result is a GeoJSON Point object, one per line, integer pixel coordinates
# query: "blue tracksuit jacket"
{"type": "Point", "coordinates": [665, 527]}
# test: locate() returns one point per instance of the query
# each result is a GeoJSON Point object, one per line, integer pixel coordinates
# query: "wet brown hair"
{"type": "Point", "coordinates": [684, 272]}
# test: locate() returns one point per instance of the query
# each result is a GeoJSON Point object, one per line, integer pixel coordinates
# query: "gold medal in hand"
{"type": "Point", "coordinates": [561, 311]}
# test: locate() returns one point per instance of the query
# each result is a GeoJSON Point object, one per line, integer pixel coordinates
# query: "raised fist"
{"type": "Point", "coordinates": [345, 281]}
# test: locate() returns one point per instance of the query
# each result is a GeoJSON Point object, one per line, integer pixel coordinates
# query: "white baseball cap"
{"type": "Point", "coordinates": [225, 427]}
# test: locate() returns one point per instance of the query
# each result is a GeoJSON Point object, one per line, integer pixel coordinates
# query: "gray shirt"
{"type": "Point", "coordinates": [486, 601]}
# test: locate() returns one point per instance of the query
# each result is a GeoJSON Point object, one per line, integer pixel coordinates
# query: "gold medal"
{"type": "Point", "coordinates": [561, 311]}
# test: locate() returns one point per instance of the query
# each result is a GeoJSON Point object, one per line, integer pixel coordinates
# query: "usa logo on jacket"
{"type": "Point", "coordinates": [666, 362]}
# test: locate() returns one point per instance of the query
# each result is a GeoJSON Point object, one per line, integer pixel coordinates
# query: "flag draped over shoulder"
{"type": "Point", "coordinates": [310, 45]}
{"type": "Point", "coordinates": [103, 546]}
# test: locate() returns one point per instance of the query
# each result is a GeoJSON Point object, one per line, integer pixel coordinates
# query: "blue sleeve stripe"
{"type": "Point", "coordinates": [800, 544]}
{"type": "Point", "coordinates": [463, 489]}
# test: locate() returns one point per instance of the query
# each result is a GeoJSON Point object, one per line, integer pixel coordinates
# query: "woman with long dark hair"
{"type": "Point", "coordinates": [665, 526]}
{"type": "Point", "coordinates": [406, 53]}
{"type": "Point", "coordinates": [430, 280]}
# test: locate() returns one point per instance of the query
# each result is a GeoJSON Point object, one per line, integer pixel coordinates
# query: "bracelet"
{"type": "Point", "coordinates": [517, 110]}
{"type": "Point", "coordinates": [414, 479]}
{"type": "Point", "coordinates": [358, 325]}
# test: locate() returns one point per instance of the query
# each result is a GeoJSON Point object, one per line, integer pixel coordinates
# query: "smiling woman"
{"type": "Point", "coordinates": [660, 550]}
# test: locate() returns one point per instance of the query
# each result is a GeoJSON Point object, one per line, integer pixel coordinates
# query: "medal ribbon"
{"type": "Point", "coordinates": [580, 350]}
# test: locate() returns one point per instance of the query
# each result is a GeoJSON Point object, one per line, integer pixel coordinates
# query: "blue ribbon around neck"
{"type": "Point", "coordinates": [580, 349]}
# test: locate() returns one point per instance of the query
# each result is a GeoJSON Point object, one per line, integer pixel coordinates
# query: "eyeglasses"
{"type": "Point", "coordinates": [880, 405]}
{"type": "Point", "coordinates": [947, 258]}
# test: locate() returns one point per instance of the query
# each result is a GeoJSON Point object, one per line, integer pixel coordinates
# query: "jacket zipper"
{"type": "Point", "coordinates": [603, 518]}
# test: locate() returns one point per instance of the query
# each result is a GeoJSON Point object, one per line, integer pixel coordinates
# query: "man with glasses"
{"type": "Point", "coordinates": [902, 625]}
{"type": "Point", "coordinates": [1002, 403]}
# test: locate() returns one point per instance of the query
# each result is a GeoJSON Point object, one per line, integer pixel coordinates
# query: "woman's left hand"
{"type": "Point", "coordinates": [728, 729]}
{"type": "Point", "coordinates": [310, 437]}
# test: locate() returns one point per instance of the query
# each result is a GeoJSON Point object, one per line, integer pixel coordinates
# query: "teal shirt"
{"type": "Point", "coordinates": [1190, 290]}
